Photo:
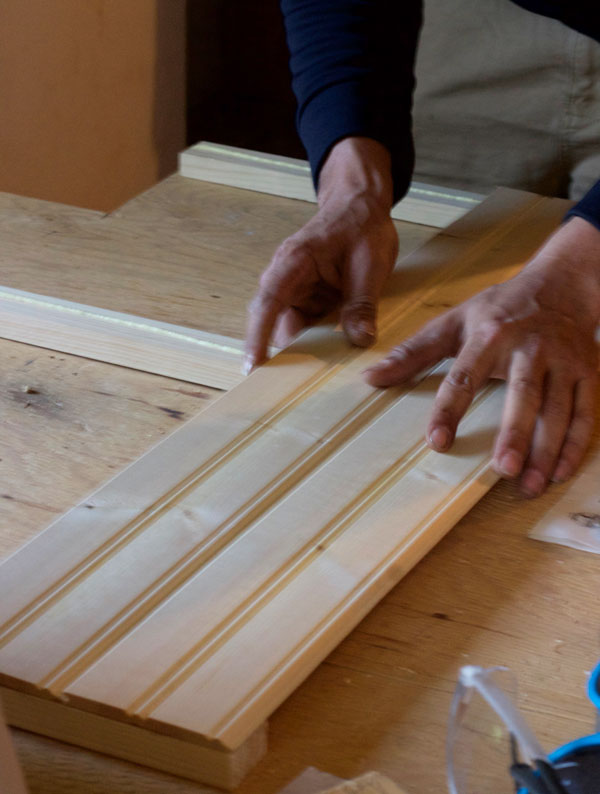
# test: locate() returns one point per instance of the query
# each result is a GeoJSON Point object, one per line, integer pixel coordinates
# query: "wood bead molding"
{"type": "Point", "coordinates": [123, 339]}
{"type": "Point", "coordinates": [291, 178]}
{"type": "Point", "coordinates": [164, 618]}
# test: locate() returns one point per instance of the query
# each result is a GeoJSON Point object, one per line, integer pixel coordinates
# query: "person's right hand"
{"type": "Point", "coordinates": [340, 259]}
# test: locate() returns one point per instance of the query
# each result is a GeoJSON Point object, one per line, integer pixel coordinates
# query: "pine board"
{"type": "Point", "coordinates": [11, 777]}
{"type": "Point", "coordinates": [124, 339]}
{"type": "Point", "coordinates": [176, 262]}
{"type": "Point", "coordinates": [280, 515]}
{"type": "Point", "coordinates": [291, 178]}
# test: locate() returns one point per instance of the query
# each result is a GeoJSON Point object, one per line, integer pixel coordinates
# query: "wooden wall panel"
{"type": "Point", "coordinates": [192, 593]}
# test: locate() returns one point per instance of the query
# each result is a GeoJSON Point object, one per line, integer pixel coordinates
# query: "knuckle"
{"type": "Point", "coordinates": [461, 379]}
{"type": "Point", "coordinates": [582, 427]}
{"type": "Point", "coordinates": [557, 406]}
{"type": "Point", "coordinates": [256, 303]}
{"type": "Point", "coordinates": [404, 351]}
{"type": "Point", "coordinates": [573, 450]}
{"type": "Point", "coordinates": [361, 308]}
{"type": "Point", "coordinates": [517, 438]}
{"type": "Point", "coordinates": [293, 254]}
{"type": "Point", "coordinates": [547, 450]}
{"type": "Point", "coordinates": [589, 370]}
{"type": "Point", "coordinates": [535, 348]}
{"type": "Point", "coordinates": [525, 386]}
{"type": "Point", "coordinates": [444, 415]}
{"type": "Point", "coordinates": [492, 332]}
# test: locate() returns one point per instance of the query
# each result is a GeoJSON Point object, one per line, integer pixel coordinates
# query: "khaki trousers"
{"type": "Point", "coordinates": [505, 97]}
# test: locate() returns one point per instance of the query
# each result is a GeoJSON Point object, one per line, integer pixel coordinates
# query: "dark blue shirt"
{"type": "Point", "coordinates": [352, 68]}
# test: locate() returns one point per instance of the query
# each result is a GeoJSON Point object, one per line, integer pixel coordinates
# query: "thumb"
{"type": "Point", "coordinates": [359, 319]}
{"type": "Point", "coordinates": [359, 307]}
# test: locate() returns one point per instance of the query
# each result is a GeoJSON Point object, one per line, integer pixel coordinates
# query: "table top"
{"type": "Point", "coordinates": [189, 253]}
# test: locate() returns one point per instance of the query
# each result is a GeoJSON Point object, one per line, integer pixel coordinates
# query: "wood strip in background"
{"type": "Point", "coordinates": [289, 177]}
{"type": "Point", "coordinates": [123, 339]}
{"type": "Point", "coordinates": [190, 595]}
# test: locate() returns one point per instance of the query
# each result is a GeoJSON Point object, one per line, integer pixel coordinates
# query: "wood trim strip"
{"type": "Point", "coordinates": [286, 176]}
{"type": "Point", "coordinates": [123, 339]}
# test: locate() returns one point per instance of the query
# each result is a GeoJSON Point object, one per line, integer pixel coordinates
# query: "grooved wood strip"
{"type": "Point", "coordinates": [123, 339]}
{"type": "Point", "coordinates": [191, 594]}
{"type": "Point", "coordinates": [290, 177]}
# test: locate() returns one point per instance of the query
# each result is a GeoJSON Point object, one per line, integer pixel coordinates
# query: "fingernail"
{"type": "Point", "coordinates": [562, 472]}
{"type": "Point", "coordinates": [381, 365]}
{"type": "Point", "coordinates": [363, 332]}
{"type": "Point", "coordinates": [375, 368]}
{"type": "Point", "coordinates": [439, 438]}
{"type": "Point", "coordinates": [510, 463]}
{"type": "Point", "coordinates": [247, 365]}
{"type": "Point", "coordinates": [365, 328]}
{"type": "Point", "coordinates": [533, 483]}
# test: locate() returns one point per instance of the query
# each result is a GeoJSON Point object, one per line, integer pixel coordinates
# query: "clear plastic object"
{"type": "Point", "coordinates": [483, 716]}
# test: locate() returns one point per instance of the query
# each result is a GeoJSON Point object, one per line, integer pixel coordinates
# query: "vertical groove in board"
{"type": "Point", "coordinates": [301, 486]}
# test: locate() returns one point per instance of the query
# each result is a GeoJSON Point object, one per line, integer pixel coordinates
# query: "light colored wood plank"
{"type": "Point", "coordinates": [54, 767]}
{"type": "Point", "coordinates": [11, 777]}
{"type": "Point", "coordinates": [194, 760]}
{"type": "Point", "coordinates": [202, 524]}
{"type": "Point", "coordinates": [68, 424]}
{"type": "Point", "coordinates": [185, 252]}
{"type": "Point", "coordinates": [124, 339]}
{"type": "Point", "coordinates": [291, 178]}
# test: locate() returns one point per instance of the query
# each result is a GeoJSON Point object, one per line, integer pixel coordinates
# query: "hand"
{"type": "Point", "coordinates": [537, 332]}
{"type": "Point", "coordinates": [342, 256]}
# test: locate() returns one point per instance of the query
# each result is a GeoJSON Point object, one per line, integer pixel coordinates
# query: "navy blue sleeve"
{"type": "Point", "coordinates": [589, 207]}
{"type": "Point", "coordinates": [352, 73]}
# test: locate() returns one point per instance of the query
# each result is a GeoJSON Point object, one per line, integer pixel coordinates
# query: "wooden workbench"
{"type": "Point", "coordinates": [189, 253]}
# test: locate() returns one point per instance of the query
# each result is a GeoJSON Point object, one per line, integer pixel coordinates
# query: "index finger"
{"type": "Point", "coordinates": [262, 316]}
{"type": "Point", "coordinates": [291, 275]}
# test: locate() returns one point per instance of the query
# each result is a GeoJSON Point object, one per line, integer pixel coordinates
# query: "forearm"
{"type": "Point", "coordinates": [352, 67]}
{"type": "Point", "coordinates": [357, 168]}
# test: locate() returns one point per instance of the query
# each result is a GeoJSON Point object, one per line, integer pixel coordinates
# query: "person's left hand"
{"type": "Point", "coordinates": [537, 332]}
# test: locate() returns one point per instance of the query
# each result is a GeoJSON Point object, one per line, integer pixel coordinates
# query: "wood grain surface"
{"type": "Point", "coordinates": [69, 424]}
{"type": "Point", "coordinates": [291, 178]}
{"type": "Point", "coordinates": [182, 253]}
{"type": "Point", "coordinates": [486, 594]}
{"type": "Point", "coordinates": [125, 339]}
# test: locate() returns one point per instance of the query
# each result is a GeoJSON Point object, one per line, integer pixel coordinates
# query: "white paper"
{"type": "Point", "coordinates": [575, 519]}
